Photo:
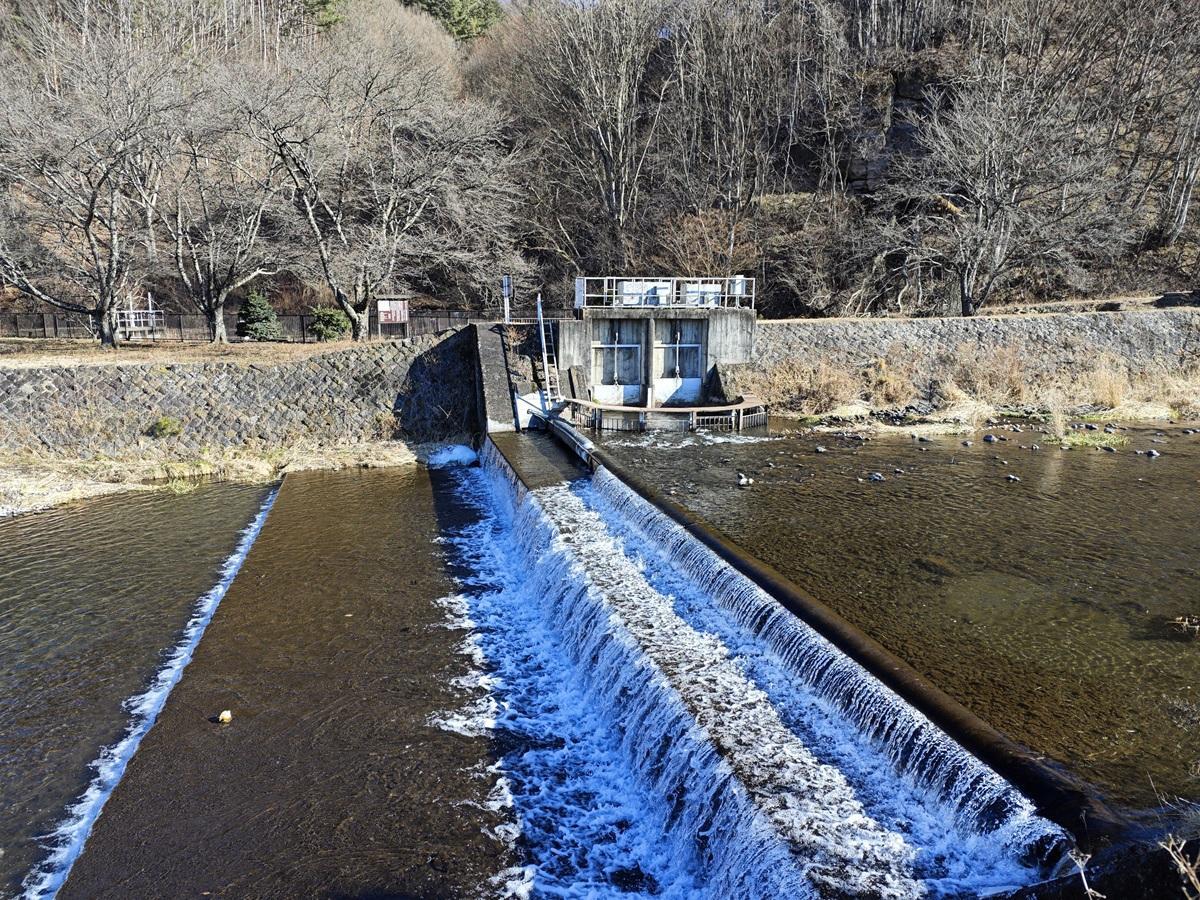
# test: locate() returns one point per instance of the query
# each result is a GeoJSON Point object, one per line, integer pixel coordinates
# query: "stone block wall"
{"type": "Point", "coordinates": [423, 389]}
{"type": "Point", "coordinates": [1054, 344]}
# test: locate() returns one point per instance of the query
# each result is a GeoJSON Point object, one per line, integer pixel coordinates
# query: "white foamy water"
{"type": "Point", "coordinates": [589, 830]}
{"type": "Point", "coordinates": [68, 839]}
{"type": "Point", "coordinates": [972, 830]}
{"type": "Point", "coordinates": [659, 440]}
{"type": "Point", "coordinates": [757, 770]}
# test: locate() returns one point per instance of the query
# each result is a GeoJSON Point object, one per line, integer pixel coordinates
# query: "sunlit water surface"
{"type": "Point", "coordinates": [93, 596]}
{"type": "Point", "coordinates": [1042, 604]}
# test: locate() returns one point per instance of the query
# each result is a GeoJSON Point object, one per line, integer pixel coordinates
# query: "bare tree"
{"type": "Point", "coordinates": [581, 77]}
{"type": "Point", "coordinates": [717, 149]}
{"type": "Point", "coordinates": [394, 177]}
{"type": "Point", "coordinates": [77, 117]}
{"type": "Point", "coordinates": [216, 197]}
{"type": "Point", "coordinates": [1005, 180]}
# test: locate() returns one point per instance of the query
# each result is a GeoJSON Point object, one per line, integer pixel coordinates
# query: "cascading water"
{"type": "Point", "coordinates": [750, 757]}
{"type": "Point", "coordinates": [861, 723]}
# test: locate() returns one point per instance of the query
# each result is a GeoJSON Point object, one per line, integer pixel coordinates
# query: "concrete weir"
{"type": "Point", "coordinates": [829, 781]}
{"type": "Point", "coordinates": [1058, 796]}
{"type": "Point", "coordinates": [332, 654]}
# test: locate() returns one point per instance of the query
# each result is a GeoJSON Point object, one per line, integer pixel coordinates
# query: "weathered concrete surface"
{"type": "Point", "coordinates": [495, 392]}
{"type": "Point", "coordinates": [422, 389]}
{"type": "Point", "coordinates": [1053, 342]}
{"type": "Point", "coordinates": [330, 781]}
{"type": "Point", "coordinates": [729, 336]}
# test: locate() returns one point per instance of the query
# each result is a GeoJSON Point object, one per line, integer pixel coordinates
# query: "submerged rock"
{"type": "Point", "coordinates": [876, 476]}
{"type": "Point", "coordinates": [937, 565]}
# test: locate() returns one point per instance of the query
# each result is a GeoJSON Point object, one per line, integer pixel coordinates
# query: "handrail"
{"type": "Point", "coordinates": [669, 291]}
{"type": "Point", "coordinates": [746, 402]}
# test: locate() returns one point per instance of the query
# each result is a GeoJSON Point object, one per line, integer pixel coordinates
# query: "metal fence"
{"type": "Point", "coordinates": [664, 291]}
{"type": "Point", "coordinates": [182, 328]}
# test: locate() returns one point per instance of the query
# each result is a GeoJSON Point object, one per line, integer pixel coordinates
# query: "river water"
{"type": "Point", "coordinates": [455, 682]}
{"type": "Point", "coordinates": [1043, 604]}
{"type": "Point", "coordinates": [93, 599]}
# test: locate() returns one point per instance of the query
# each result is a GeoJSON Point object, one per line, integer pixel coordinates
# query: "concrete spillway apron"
{"type": "Point", "coordinates": [1060, 798]}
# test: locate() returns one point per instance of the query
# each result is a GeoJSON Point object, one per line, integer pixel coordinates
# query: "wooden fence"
{"type": "Point", "coordinates": [176, 327]}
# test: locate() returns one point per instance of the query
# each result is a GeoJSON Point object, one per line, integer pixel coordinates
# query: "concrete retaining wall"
{"type": "Point", "coordinates": [1053, 343]}
{"type": "Point", "coordinates": [423, 389]}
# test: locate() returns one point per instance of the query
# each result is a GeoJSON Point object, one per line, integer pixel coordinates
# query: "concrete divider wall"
{"type": "Point", "coordinates": [1058, 342]}
{"type": "Point", "coordinates": [423, 389]}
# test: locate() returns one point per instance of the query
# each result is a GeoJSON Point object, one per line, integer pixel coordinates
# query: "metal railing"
{"type": "Point", "coordinates": [750, 413]}
{"type": "Point", "coordinates": [679, 293]}
{"type": "Point", "coordinates": [176, 327]}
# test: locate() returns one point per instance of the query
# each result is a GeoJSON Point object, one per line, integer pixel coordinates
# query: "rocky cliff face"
{"type": "Point", "coordinates": [890, 106]}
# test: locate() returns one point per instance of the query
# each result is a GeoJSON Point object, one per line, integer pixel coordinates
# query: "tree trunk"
{"type": "Point", "coordinates": [360, 327]}
{"type": "Point", "coordinates": [216, 326]}
{"type": "Point", "coordinates": [215, 311]}
{"type": "Point", "coordinates": [106, 324]}
{"type": "Point", "coordinates": [968, 306]}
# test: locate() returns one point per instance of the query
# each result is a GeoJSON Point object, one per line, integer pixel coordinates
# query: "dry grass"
{"type": "Point", "coordinates": [797, 387]}
{"type": "Point", "coordinates": [1056, 414]}
{"type": "Point", "coordinates": [29, 482]}
{"type": "Point", "coordinates": [971, 385]}
{"type": "Point", "coordinates": [999, 377]}
{"type": "Point", "coordinates": [1108, 383]}
{"type": "Point", "coordinates": [30, 353]}
{"type": "Point", "coordinates": [1188, 867]}
{"type": "Point", "coordinates": [891, 381]}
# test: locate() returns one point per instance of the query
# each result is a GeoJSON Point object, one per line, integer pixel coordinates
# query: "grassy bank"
{"type": "Point", "coordinates": [970, 386]}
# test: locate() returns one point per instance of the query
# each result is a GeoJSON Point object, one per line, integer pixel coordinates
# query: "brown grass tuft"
{"type": "Point", "coordinates": [1107, 384]}
{"type": "Point", "coordinates": [891, 380]}
{"type": "Point", "coordinates": [798, 387]}
{"type": "Point", "coordinates": [1000, 376]}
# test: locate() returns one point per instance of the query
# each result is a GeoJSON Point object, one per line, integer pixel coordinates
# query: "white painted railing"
{"type": "Point", "coordinates": [641, 291]}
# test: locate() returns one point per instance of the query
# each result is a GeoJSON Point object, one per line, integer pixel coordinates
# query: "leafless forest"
{"type": "Point", "coordinates": [859, 156]}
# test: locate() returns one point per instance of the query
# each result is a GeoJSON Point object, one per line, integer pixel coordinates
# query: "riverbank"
{"type": "Point", "coordinates": [30, 483]}
{"type": "Point", "coordinates": [1131, 366]}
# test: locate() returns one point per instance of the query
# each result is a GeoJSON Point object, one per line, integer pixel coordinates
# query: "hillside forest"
{"type": "Point", "coordinates": [858, 157]}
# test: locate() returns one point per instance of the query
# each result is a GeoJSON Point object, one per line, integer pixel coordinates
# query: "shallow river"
{"type": "Point", "coordinates": [1042, 604]}
{"type": "Point", "coordinates": [92, 597]}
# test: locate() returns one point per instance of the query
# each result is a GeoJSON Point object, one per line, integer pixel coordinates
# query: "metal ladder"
{"type": "Point", "coordinates": [553, 391]}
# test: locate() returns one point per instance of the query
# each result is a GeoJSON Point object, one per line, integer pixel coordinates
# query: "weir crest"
{"type": "Point", "coordinates": [776, 764]}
